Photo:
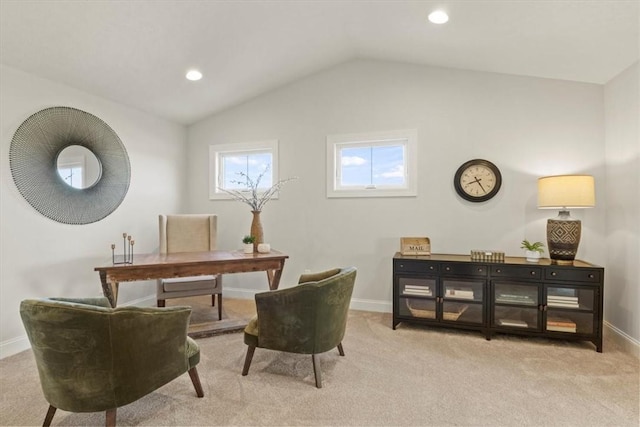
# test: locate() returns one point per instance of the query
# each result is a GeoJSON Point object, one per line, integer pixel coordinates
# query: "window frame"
{"type": "Point", "coordinates": [71, 163]}
{"type": "Point", "coordinates": [218, 151]}
{"type": "Point", "coordinates": [370, 139]}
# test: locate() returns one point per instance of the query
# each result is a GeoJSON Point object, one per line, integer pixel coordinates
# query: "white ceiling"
{"type": "Point", "coordinates": [137, 52]}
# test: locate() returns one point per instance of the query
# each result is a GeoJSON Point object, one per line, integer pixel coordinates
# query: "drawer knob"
{"type": "Point", "coordinates": [401, 265]}
{"type": "Point", "coordinates": [431, 267]}
{"type": "Point", "coordinates": [448, 268]}
{"type": "Point", "coordinates": [498, 271]}
{"type": "Point", "coordinates": [553, 273]}
{"type": "Point", "coordinates": [479, 270]}
{"type": "Point", "coordinates": [591, 276]}
{"type": "Point", "coordinates": [533, 273]}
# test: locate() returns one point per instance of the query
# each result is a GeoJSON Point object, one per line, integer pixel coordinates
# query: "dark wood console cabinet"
{"type": "Point", "coordinates": [515, 296]}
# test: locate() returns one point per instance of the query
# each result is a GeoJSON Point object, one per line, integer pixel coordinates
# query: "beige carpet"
{"type": "Point", "coordinates": [409, 377]}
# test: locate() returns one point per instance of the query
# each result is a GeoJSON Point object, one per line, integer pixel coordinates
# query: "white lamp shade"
{"type": "Point", "coordinates": [566, 191]}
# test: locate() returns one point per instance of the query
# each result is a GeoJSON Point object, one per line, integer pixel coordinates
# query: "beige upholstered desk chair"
{"type": "Point", "coordinates": [189, 233]}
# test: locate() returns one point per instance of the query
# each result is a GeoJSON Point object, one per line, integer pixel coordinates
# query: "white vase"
{"type": "Point", "coordinates": [532, 256]}
{"type": "Point", "coordinates": [248, 248]}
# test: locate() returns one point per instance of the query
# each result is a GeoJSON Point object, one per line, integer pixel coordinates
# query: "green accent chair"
{"type": "Point", "coordinates": [310, 318]}
{"type": "Point", "coordinates": [93, 358]}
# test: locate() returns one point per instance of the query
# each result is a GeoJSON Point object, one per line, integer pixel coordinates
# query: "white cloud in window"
{"type": "Point", "coordinates": [396, 172]}
{"type": "Point", "coordinates": [352, 161]}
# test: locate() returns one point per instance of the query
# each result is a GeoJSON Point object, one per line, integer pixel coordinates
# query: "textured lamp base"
{"type": "Point", "coordinates": [563, 238]}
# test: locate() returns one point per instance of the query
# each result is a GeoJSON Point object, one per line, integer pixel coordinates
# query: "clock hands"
{"type": "Point", "coordinates": [479, 183]}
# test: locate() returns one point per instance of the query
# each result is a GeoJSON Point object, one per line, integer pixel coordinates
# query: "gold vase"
{"type": "Point", "coordinates": [256, 230]}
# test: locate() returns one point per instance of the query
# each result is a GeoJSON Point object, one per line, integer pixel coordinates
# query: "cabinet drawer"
{"type": "Point", "coordinates": [517, 272]}
{"type": "Point", "coordinates": [409, 266]}
{"type": "Point", "coordinates": [574, 275]}
{"type": "Point", "coordinates": [448, 268]}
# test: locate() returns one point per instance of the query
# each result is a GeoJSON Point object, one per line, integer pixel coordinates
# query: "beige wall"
{"type": "Point", "coordinates": [528, 127]}
{"type": "Point", "coordinates": [41, 257]}
{"type": "Point", "coordinates": [622, 293]}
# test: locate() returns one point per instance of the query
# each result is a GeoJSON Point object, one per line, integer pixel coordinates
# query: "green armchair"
{"type": "Point", "coordinates": [310, 318]}
{"type": "Point", "coordinates": [93, 358]}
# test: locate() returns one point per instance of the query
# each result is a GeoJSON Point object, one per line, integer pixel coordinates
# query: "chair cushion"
{"type": "Point", "coordinates": [193, 352]}
{"type": "Point", "coordinates": [189, 283]}
{"type": "Point", "coordinates": [251, 332]}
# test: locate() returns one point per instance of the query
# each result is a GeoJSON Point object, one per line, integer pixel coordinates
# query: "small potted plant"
{"type": "Point", "coordinates": [248, 244]}
{"type": "Point", "coordinates": [533, 251]}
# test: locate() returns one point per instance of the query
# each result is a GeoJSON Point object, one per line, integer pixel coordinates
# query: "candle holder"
{"type": "Point", "coordinates": [127, 248]}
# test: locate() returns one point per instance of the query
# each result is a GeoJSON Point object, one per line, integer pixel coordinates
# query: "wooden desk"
{"type": "Point", "coordinates": [163, 266]}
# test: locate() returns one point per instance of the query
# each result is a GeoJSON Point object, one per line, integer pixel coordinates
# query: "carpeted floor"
{"type": "Point", "coordinates": [412, 376]}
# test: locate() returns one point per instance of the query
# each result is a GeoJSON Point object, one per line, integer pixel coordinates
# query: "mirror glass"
{"type": "Point", "coordinates": [78, 167]}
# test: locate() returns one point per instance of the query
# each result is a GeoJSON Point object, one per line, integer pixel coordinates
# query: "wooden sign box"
{"type": "Point", "coordinates": [415, 246]}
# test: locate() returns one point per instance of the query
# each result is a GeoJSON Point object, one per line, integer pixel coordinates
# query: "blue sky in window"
{"type": "Point", "coordinates": [250, 164]}
{"type": "Point", "coordinates": [372, 165]}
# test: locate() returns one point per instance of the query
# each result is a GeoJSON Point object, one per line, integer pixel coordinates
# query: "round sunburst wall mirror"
{"type": "Point", "coordinates": [69, 165]}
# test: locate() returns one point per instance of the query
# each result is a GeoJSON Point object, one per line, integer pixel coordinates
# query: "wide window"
{"type": "Point", "coordinates": [381, 164]}
{"type": "Point", "coordinates": [234, 166]}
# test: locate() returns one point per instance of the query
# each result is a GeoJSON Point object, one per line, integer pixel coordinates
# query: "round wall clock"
{"type": "Point", "coordinates": [477, 180]}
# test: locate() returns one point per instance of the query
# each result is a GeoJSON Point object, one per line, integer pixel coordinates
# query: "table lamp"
{"type": "Point", "coordinates": [565, 192]}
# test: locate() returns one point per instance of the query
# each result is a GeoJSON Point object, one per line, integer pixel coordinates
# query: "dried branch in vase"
{"type": "Point", "coordinates": [252, 195]}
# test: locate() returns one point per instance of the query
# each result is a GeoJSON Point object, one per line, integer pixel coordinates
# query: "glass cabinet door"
{"type": "Point", "coordinates": [417, 297]}
{"type": "Point", "coordinates": [515, 306]}
{"type": "Point", "coordinates": [462, 300]}
{"type": "Point", "coordinates": [570, 310]}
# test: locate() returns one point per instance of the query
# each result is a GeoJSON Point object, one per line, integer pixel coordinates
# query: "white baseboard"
{"type": "Point", "coordinates": [14, 346]}
{"type": "Point", "coordinates": [240, 293]}
{"type": "Point", "coordinates": [371, 305]}
{"type": "Point", "coordinates": [356, 303]}
{"type": "Point", "coordinates": [148, 301]}
{"type": "Point", "coordinates": [626, 343]}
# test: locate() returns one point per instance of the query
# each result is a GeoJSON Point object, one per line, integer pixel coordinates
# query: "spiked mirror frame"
{"type": "Point", "coordinates": [33, 155]}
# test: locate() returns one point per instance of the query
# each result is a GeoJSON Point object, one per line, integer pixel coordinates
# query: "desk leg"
{"type": "Point", "coordinates": [109, 289]}
{"type": "Point", "coordinates": [274, 277]}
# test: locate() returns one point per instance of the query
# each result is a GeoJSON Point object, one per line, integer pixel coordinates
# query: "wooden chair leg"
{"type": "Point", "coordinates": [247, 360]}
{"type": "Point", "coordinates": [111, 417]}
{"type": "Point", "coordinates": [50, 413]}
{"type": "Point", "coordinates": [213, 300]}
{"type": "Point", "coordinates": [219, 306]}
{"type": "Point", "coordinates": [195, 379]}
{"type": "Point", "coordinates": [160, 303]}
{"type": "Point", "coordinates": [340, 349]}
{"type": "Point", "coordinates": [317, 371]}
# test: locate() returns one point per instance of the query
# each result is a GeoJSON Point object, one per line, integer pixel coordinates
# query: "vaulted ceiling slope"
{"type": "Point", "coordinates": [137, 52]}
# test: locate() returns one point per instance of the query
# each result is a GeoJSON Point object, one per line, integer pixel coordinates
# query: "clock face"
{"type": "Point", "coordinates": [477, 180]}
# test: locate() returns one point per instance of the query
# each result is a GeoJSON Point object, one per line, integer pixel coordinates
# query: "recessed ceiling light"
{"type": "Point", "coordinates": [438, 17]}
{"type": "Point", "coordinates": [193, 75]}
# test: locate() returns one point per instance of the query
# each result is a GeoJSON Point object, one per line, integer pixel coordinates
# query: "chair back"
{"type": "Point", "coordinates": [187, 233]}
{"type": "Point", "coordinates": [91, 357]}
{"type": "Point", "coordinates": [309, 318]}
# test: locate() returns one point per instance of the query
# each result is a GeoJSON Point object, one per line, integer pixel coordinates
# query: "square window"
{"type": "Point", "coordinates": [231, 166]}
